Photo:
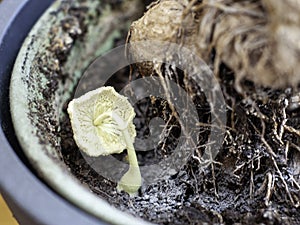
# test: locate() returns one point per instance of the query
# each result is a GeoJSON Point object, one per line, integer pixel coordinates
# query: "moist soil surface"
{"type": "Point", "coordinates": [253, 180]}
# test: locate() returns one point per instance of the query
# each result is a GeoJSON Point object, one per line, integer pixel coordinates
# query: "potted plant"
{"type": "Point", "coordinates": [226, 141]}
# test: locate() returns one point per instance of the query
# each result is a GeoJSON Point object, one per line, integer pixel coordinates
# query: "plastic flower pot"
{"type": "Point", "coordinates": [33, 178]}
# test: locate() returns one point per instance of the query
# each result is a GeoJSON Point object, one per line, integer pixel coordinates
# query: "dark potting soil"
{"type": "Point", "coordinates": [253, 180]}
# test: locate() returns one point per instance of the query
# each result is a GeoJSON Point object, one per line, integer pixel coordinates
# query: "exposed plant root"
{"type": "Point", "coordinates": [241, 41]}
{"type": "Point", "coordinates": [248, 36]}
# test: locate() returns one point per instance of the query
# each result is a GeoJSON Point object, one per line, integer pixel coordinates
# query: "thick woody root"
{"type": "Point", "coordinates": [258, 40]}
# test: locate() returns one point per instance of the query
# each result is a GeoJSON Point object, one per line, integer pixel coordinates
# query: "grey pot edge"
{"type": "Point", "coordinates": [31, 201]}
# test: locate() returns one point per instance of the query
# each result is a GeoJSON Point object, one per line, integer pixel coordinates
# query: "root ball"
{"type": "Point", "coordinates": [258, 40]}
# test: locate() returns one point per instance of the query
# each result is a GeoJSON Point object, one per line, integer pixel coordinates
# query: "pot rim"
{"type": "Point", "coordinates": [31, 201]}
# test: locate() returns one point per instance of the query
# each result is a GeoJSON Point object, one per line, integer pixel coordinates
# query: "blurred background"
{"type": "Point", "coordinates": [6, 217]}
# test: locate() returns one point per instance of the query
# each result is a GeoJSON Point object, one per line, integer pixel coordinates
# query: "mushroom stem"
{"type": "Point", "coordinates": [131, 180]}
{"type": "Point", "coordinates": [130, 150]}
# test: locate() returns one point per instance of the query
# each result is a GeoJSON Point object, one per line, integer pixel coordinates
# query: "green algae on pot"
{"type": "Point", "coordinates": [56, 52]}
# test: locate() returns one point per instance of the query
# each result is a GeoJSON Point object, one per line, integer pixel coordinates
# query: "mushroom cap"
{"type": "Point", "coordinates": [96, 132]}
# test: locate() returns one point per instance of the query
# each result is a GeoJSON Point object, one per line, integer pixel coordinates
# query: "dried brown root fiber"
{"type": "Point", "coordinates": [258, 39]}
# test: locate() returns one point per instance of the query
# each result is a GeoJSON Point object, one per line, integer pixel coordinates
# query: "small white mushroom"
{"type": "Point", "coordinates": [102, 123]}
